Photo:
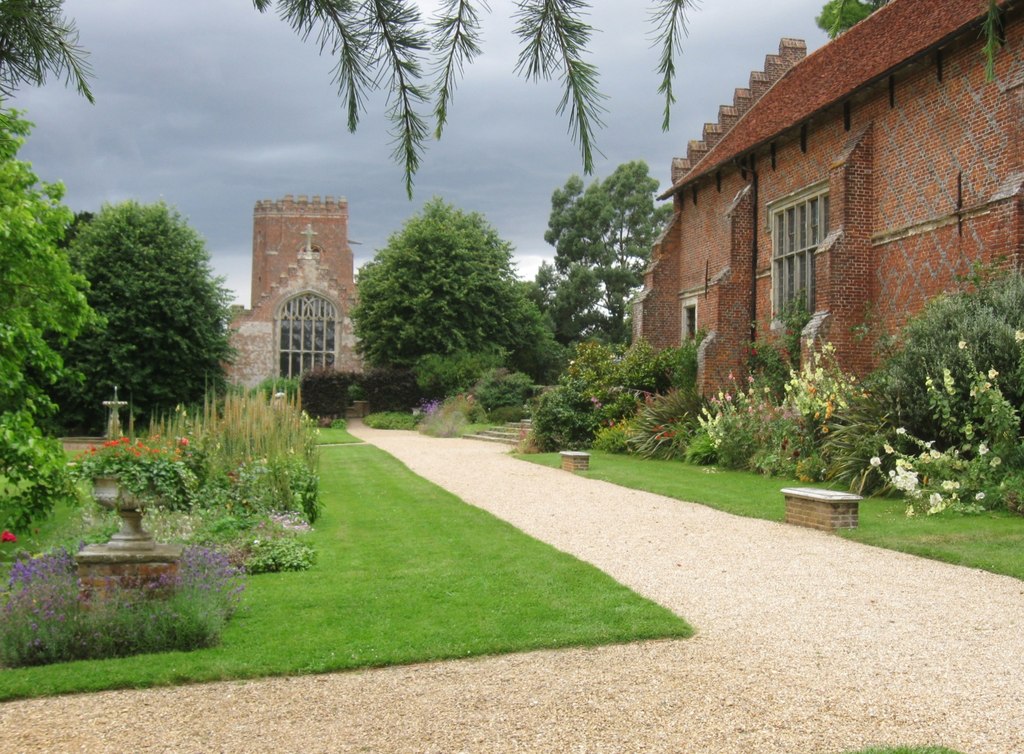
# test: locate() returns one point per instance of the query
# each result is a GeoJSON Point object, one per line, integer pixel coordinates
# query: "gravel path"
{"type": "Point", "coordinates": [806, 643]}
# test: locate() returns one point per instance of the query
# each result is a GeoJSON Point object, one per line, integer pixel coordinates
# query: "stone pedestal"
{"type": "Point", "coordinates": [575, 460]}
{"type": "Point", "coordinates": [103, 570]}
{"type": "Point", "coordinates": [827, 510]}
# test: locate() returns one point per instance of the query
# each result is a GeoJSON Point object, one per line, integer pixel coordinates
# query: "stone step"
{"type": "Point", "coordinates": [510, 433]}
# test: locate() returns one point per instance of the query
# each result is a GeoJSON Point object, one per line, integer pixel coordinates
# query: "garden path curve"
{"type": "Point", "coordinates": [806, 643]}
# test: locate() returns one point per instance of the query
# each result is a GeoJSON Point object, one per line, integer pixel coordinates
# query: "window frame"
{"type": "Point", "coordinates": [306, 334]}
{"type": "Point", "coordinates": [798, 225]}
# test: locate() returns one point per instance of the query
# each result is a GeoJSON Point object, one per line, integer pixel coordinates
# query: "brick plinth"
{"type": "Point", "coordinates": [826, 510]}
{"type": "Point", "coordinates": [103, 570]}
{"type": "Point", "coordinates": [574, 460]}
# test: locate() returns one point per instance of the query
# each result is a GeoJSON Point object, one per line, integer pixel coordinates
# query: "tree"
{"type": "Point", "coordinates": [163, 338]}
{"type": "Point", "coordinates": [602, 237]}
{"type": "Point", "coordinates": [445, 286]}
{"type": "Point", "coordinates": [838, 16]}
{"type": "Point", "coordinates": [42, 306]}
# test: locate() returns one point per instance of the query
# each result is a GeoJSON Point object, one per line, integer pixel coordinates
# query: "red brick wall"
{"type": "Point", "coordinates": [924, 180]}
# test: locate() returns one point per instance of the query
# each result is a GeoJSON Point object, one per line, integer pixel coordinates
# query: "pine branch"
{"type": "Point", "coordinates": [457, 43]}
{"type": "Point", "coordinates": [669, 20]}
{"type": "Point", "coordinates": [394, 27]}
{"type": "Point", "coordinates": [36, 39]}
{"type": "Point", "coordinates": [992, 29]}
{"type": "Point", "coordinates": [554, 38]}
{"type": "Point", "coordinates": [340, 30]}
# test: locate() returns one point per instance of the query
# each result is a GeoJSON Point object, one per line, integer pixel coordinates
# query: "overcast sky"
{"type": "Point", "coordinates": [211, 106]}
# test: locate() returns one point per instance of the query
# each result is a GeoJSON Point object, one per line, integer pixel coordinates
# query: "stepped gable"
{"type": "Point", "coordinates": [791, 51]}
{"type": "Point", "coordinates": [869, 51]}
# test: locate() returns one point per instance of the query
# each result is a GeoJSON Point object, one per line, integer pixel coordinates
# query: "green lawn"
{"type": "Point", "coordinates": [332, 436]}
{"type": "Point", "coordinates": [406, 573]}
{"type": "Point", "coordinates": [992, 541]}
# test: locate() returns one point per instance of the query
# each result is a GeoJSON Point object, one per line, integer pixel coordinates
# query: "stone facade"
{"type": "Point", "coordinates": [894, 139]}
{"type": "Point", "coordinates": [302, 292]}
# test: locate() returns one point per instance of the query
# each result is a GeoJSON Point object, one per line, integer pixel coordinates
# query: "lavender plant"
{"type": "Point", "coordinates": [43, 618]}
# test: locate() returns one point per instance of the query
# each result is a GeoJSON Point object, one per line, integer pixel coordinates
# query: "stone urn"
{"type": "Point", "coordinates": [109, 493]}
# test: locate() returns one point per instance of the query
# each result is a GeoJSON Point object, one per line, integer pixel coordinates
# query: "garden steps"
{"type": "Point", "coordinates": [508, 433]}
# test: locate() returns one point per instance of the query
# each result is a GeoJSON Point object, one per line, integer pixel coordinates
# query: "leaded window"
{"type": "Point", "coordinates": [306, 334]}
{"type": "Point", "coordinates": [799, 228]}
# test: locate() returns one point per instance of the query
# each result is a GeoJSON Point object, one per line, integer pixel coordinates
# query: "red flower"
{"type": "Point", "coordinates": [8, 537]}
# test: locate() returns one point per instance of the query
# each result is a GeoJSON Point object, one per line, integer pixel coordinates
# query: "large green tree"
{"type": "Point", "coordinates": [163, 339]}
{"type": "Point", "coordinates": [444, 285]}
{"type": "Point", "coordinates": [602, 236]}
{"type": "Point", "coordinates": [41, 306]}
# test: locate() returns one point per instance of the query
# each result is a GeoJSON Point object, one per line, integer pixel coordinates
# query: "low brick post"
{"type": "Point", "coordinates": [574, 460]}
{"type": "Point", "coordinates": [826, 510]}
{"type": "Point", "coordinates": [102, 571]}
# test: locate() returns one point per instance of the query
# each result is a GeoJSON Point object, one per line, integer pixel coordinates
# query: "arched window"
{"type": "Point", "coordinates": [307, 334]}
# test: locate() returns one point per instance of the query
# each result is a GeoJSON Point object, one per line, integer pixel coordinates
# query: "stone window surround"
{"type": "Point", "coordinates": [307, 350]}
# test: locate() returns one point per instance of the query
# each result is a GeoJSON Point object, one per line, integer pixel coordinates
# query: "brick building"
{"type": "Point", "coordinates": [865, 178]}
{"type": "Point", "coordinates": [302, 292]}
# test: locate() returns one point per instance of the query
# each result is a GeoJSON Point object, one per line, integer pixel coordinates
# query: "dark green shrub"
{"type": "Point", "coordinates": [563, 419]}
{"type": "Point", "coordinates": [507, 414]}
{"type": "Point", "coordinates": [441, 376]}
{"type": "Point", "coordinates": [500, 388]}
{"type": "Point", "coordinates": [325, 392]}
{"type": "Point", "coordinates": [339, 424]}
{"type": "Point", "coordinates": [390, 420]}
{"type": "Point", "coordinates": [985, 319]}
{"type": "Point", "coordinates": [389, 389]}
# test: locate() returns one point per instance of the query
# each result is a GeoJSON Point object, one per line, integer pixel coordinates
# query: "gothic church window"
{"type": "Point", "coordinates": [307, 334]}
{"type": "Point", "coordinates": [799, 226]}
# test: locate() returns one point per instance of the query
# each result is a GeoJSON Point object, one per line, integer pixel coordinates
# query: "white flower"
{"type": "Point", "coordinates": [980, 496]}
{"type": "Point", "coordinates": [1019, 336]}
{"type": "Point", "coordinates": [935, 454]}
{"type": "Point", "coordinates": [962, 344]}
{"type": "Point", "coordinates": [982, 449]}
{"type": "Point", "coordinates": [996, 461]}
{"type": "Point", "coordinates": [888, 448]}
{"type": "Point", "coordinates": [992, 374]}
{"type": "Point", "coordinates": [901, 431]}
{"type": "Point", "coordinates": [876, 461]}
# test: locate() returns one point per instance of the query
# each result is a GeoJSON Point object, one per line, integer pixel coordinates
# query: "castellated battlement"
{"type": "Point", "coordinates": [302, 204]}
{"type": "Point", "coordinates": [791, 52]}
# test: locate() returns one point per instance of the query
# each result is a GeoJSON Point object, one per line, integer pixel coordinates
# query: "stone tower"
{"type": "Point", "coordinates": [302, 292]}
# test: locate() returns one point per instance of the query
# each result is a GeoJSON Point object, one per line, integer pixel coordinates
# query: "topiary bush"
{"type": "Point", "coordinates": [390, 420]}
{"type": "Point", "coordinates": [391, 389]}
